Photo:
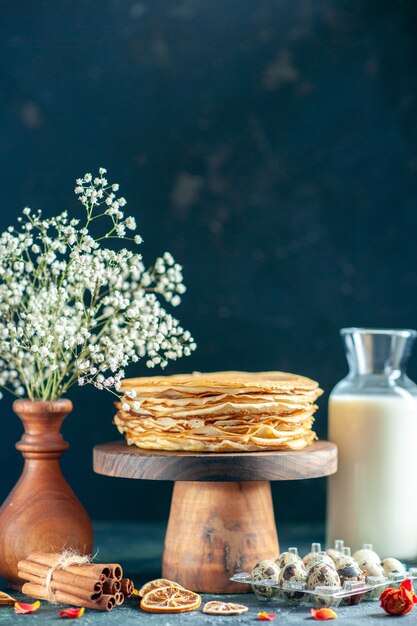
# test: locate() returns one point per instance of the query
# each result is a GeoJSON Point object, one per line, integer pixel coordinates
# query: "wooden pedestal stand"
{"type": "Point", "coordinates": [222, 518]}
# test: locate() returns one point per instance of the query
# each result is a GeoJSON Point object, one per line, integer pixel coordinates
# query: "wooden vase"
{"type": "Point", "coordinates": [41, 512]}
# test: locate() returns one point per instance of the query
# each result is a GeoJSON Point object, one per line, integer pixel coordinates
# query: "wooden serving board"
{"type": "Point", "coordinates": [119, 459]}
{"type": "Point", "coordinates": [222, 518]}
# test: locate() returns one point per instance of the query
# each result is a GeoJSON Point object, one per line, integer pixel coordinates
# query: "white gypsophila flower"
{"type": "Point", "coordinates": [72, 311]}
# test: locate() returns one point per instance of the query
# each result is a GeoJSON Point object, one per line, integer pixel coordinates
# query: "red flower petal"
{"type": "Point", "coordinates": [21, 608]}
{"type": "Point", "coordinates": [72, 613]}
{"type": "Point", "coordinates": [323, 614]}
{"type": "Point", "coordinates": [407, 585]}
{"type": "Point", "coordinates": [266, 617]}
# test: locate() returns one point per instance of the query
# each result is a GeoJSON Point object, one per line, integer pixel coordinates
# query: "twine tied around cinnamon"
{"type": "Point", "coordinates": [66, 558]}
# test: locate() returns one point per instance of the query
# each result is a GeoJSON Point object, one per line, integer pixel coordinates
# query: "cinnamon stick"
{"type": "Point", "coordinates": [112, 586]}
{"type": "Point", "coordinates": [28, 569]}
{"type": "Point", "coordinates": [77, 592]}
{"type": "Point", "coordinates": [106, 602]}
{"type": "Point", "coordinates": [119, 597]}
{"type": "Point", "coordinates": [127, 587]}
{"type": "Point", "coordinates": [115, 571]}
{"type": "Point", "coordinates": [90, 570]}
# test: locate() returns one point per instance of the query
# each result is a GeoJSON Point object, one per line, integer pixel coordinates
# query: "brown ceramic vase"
{"type": "Point", "coordinates": [41, 512]}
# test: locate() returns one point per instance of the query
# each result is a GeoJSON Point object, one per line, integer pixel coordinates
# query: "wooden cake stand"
{"type": "Point", "coordinates": [222, 517]}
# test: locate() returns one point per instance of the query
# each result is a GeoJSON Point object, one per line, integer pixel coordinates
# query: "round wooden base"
{"type": "Point", "coordinates": [222, 518]}
{"type": "Point", "coordinates": [216, 530]}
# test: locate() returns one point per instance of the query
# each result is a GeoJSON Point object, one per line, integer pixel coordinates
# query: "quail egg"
{"type": "Point", "coordinates": [266, 570]}
{"type": "Point", "coordinates": [350, 571]}
{"type": "Point", "coordinates": [333, 554]}
{"type": "Point", "coordinates": [293, 573]}
{"type": "Point", "coordinates": [285, 558]}
{"type": "Point", "coordinates": [315, 549]}
{"type": "Point", "coordinates": [371, 568]}
{"type": "Point", "coordinates": [366, 554]}
{"type": "Point", "coordinates": [393, 567]}
{"type": "Point", "coordinates": [321, 557]}
{"type": "Point", "coordinates": [308, 558]}
{"type": "Point", "coordinates": [345, 559]}
{"type": "Point", "coordinates": [322, 575]}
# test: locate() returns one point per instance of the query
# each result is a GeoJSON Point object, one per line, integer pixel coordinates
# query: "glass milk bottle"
{"type": "Point", "coordinates": [373, 420]}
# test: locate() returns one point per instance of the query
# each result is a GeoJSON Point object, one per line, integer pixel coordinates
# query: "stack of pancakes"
{"type": "Point", "coordinates": [219, 412]}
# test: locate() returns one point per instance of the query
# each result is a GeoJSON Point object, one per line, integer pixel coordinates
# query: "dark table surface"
{"type": "Point", "coordinates": [138, 547]}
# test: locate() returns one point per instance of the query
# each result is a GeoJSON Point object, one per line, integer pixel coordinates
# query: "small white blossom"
{"type": "Point", "coordinates": [130, 223]}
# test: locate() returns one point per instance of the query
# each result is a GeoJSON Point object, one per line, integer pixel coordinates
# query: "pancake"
{"type": "Point", "coordinates": [219, 411]}
{"type": "Point", "coordinates": [202, 382]}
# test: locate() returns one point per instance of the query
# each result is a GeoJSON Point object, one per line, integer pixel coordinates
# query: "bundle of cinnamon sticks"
{"type": "Point", "coordinates": [91, 585]}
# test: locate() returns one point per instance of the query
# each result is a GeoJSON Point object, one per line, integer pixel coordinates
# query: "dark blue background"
{"type": "Point", "coordinates": [270, 145]}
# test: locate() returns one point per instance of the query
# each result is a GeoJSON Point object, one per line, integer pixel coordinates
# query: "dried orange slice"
{"type": "Point", "coordinates": [224, 608]}
{"type": "Point", "coordinates": [170, 600]}
{"type": "Point", "coordinates": [6, 599]}
{"type": "Point", "coordinates": [155, 584]}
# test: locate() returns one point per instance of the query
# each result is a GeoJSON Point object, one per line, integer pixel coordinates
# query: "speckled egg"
{"type": "Point", "coordinates": [285, 558]}
{"type": "Point", "coordinates": [321, 557]}
{"type": "Point", "coordinates": [333, 554]}
{"type": "Point", "coordinates": [365, 554]}
{"type": "Point", "coordinates": [322, 575]}
{"type": "Point", "coordinates": [392, 566]}
{"type": "Point", "coordinates": [371, 568]}
{"type": "Point", "coordinates": [266, 570]}
{"type": "Point", "coordinates": [345, 559]}
{"type": "Point", "coordinates": [308, 558]}
{"type": "Point", "coordinates": [350, 571]}
{"type": "Point", "coordinates": [293, 573]}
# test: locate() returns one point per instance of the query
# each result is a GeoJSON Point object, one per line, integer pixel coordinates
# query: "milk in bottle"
{"type": "Point", "coordinates": [373, 420]}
